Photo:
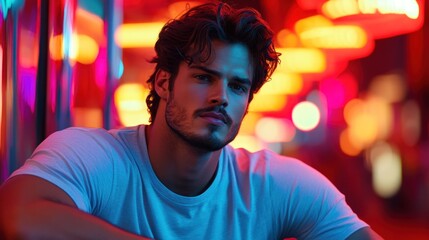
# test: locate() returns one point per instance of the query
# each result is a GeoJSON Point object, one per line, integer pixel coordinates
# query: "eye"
{"type": "Point", "coordinates": [239, 88]}
{"type": "Point", "coordinates": [203, 77]}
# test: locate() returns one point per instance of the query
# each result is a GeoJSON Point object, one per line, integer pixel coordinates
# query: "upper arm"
{"type": "Point", "coordinates": [20, 195]}
{"type": "Point", "coordinates": [365, 233]}
{"type": "Point", "coordinates": [24, 189]}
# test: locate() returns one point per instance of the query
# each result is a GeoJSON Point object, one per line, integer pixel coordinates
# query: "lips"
{"type": "Point", "coordinates": [214, 117]}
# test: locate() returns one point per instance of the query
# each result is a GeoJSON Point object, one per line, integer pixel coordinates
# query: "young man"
{"type": "Point", "coordinates": [177, 178]}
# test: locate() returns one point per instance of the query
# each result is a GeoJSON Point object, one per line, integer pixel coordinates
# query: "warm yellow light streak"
{"type": "Point", "coordinates": [83, 48]}
{"type": "Point", "coordinates": [267, 103]}
{"type": "Point", "coordinates": [340, 8]}
{"type": "Point", "coordinates": [132, 35]}
{"type": "Point", "coordinates": [335, 37]}
{"type": "Point", "coordinates": [286, 38]}
{"type": "Point", "coordinates": [283, 83]}
{"type": "Point", "coordinates": [302, 60]}
{"type": "Point", "coordinates": [316, 21]}
{"type": "Point", "coordinates": [130, 101]}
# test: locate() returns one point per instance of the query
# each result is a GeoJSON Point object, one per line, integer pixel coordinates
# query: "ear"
{"type": "Point", "coordinates": [162, 80]}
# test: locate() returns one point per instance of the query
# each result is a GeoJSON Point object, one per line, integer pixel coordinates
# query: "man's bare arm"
{"type": "Point", "coordinates": [365, 233]}
{"type": "Point", "coordinates": [33, 208]}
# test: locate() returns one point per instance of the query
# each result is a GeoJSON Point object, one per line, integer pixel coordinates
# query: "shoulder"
{"type": "Point", "coordinates": [269, 161]}
{"type": "Point", "coordinates": [288, 177]}
{"type": "Point", "coordinates": [79, 137]}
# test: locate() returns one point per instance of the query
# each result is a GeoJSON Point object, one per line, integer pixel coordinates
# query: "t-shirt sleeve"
{"type": "Point", "coordinates": [311, 207]}
{"type": "Point", "coordinates": [75, 161]}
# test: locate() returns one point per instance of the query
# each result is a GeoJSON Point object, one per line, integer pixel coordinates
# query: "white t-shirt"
{"type": "Point", "coordinates": [258, 195]}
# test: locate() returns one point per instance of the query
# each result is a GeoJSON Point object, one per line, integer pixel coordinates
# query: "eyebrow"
{"type": "Point", "coordinates": [218, 74]}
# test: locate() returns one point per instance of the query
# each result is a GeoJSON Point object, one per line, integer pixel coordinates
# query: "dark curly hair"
{"type": "Point", "coordinates": [191, 36]}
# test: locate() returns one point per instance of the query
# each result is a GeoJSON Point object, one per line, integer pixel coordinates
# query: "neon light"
{"type": "Point", "coordinates": [302, 60]}
{"type": "Point", "coordinates": [341, 8]}
{"type": "Point", "coordinates": [282, 83]}
{"type": "Point", "coordinates": [335, 37]}
{"type": "Point", "coordinates": [130, 102]}
{"type": "Point", "coordinates": [133, 35]}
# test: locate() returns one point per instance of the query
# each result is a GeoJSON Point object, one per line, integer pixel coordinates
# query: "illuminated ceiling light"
{"type": "Point", "coordinates": [386, 166]}
{"type": "Point", "coordinates": [367, 6]}
{"type": "Point", "coordinates": [282, 83]}
{"type": "Point", "coordinates": [306, 116]}
{"type": "Point", "coordinates": [340, 8]}
{"type": "Point", "coordinates": [335, 37]}
{"type": "Point", "coordinates": [302, 60]}
{"type": "Point", "coordinates": [408, 7]}
{"type": "Point", "coordinates": [267, 103]}
{"type": "Point", "coordinates": [133, 35]}
{"type": "Point", "coordinates": [380, 18]}
{"type": "Point", "coordinates": [316, 21]}
{"type": "Point", "coordinates": [130, 100]}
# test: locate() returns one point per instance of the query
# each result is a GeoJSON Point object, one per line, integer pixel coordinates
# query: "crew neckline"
{"type": "Point", "coordinates": [158, 186]}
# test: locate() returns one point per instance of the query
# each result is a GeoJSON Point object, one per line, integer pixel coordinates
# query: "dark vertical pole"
{"type": "Point", "coordinates": [42, 75]}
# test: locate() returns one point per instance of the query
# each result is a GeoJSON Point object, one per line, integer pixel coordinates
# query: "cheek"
{"type": "Point", "coordinates": [240, 109]}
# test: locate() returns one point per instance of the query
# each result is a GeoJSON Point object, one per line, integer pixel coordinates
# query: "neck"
{"type": "Point", "coordinates": [182, 168]}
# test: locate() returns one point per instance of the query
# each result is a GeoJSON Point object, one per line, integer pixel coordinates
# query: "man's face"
{"type": "Point", "coordinates": [210, 99]}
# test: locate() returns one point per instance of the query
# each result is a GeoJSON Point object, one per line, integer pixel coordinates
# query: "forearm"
{"type": "Point", "coordinates": [49, 220]}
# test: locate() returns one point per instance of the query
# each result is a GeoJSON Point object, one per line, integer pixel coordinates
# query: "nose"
{"type": "Point", "coordinates": [219, 94]}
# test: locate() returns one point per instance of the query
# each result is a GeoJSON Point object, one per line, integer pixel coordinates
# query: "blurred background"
{"type": "Point", "coordinates": [350, 97]}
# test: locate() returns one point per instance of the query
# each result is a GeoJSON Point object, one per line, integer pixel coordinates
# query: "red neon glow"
{"type": "Point", "coordinates": [382, 18]}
